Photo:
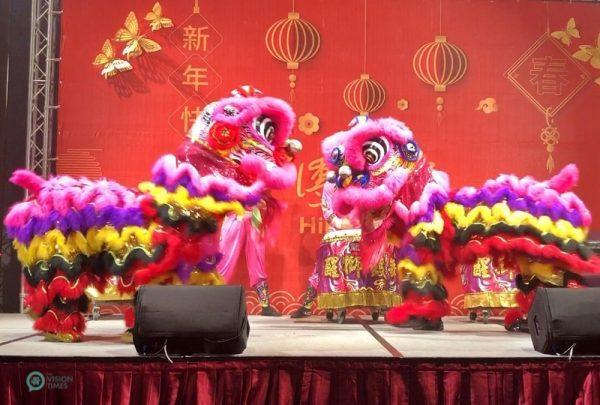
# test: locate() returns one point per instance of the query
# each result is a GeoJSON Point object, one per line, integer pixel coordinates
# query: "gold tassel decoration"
{"type": "Point", "coordinates": [549, 137]}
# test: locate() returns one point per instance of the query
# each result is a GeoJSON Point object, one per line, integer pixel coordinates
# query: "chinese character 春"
{"type": "Point", "coordinates": [548, 75]}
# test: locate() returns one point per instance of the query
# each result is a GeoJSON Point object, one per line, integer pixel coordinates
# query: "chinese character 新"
{"type": "Point", "coordinates": [194, 38]}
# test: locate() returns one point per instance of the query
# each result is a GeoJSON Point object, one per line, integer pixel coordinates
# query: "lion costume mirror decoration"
{"type": "Point", "coordinates": [70, 233]}
{"type": "Point", "coordinates": [383, 180]}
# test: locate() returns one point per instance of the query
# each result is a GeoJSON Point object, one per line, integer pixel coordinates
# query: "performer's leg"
{"type": "Point", "coordinates": [255, 260]}
{"type": "Point", "coordinates": [230, 245]}
{"type": "Point", "coordinates": [516, 319]}
{"type": "Point", "coordinates": [310, 295]}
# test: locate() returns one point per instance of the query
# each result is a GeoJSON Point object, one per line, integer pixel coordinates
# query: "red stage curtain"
{"type": "Point", "coordinates": [315, 381]}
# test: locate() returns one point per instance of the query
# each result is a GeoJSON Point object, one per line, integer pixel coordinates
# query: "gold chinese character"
{"type": "Point", "coordinates": [351, 264]}
{"type": "Point", "coordinates": [481, 269]}
{"type": "Point", "coordinates": [501, 269]}
{"type": "Point", "coordinates": [194, 38]}
{"type": "Point", "coordinates": [318, 175]}
{"type": "Point", "coordinates": [331, 266]}
{"type": "Point", "coordinates": [188, 117]}
{"type": "Point", "coordinates": [548, 75]}
{"type": "Point", "coordinates": [195, 76]}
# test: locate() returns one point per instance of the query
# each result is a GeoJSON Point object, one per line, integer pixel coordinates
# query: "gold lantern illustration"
{"type": "Point", "coordinates": [292, 40]}
{"type": "Point", "coordinates": [364, 95]}
{"type": "Point", "coordinates": [440, 64]}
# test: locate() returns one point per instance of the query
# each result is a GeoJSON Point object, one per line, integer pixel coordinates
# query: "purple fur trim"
{"type": "Point", "coordinates": [77, 221]}
{"type": "Point", "coordinates": [168, 173]}
{"type": "Point", "coordinates": [551, 193]}
{"type": "Point", "coordinates": [517, 202]}
{"type": "Point", "coordinates": [183, 271]}
{"type": "Point", "coordinates": [436, 203]}
{"type": "Point", "coordinates": [407, 251]}
{"type": "Point", "coordinates": [210, 263]}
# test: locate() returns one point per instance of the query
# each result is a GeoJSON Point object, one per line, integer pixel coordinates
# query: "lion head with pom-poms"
{"type": "Point", "coordinates": [243, 140]}
{"type": "Point", "coordinates": [381, 174]}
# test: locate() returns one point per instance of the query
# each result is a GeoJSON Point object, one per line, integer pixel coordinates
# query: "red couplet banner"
{"type": "Point", "coordinates": [526, 94]}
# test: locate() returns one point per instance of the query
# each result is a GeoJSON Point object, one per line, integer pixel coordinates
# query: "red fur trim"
{"type": "Point", "coordinates": [517, 244]}
{"type": "Point", "coordinates": [431, 310]}
{"type": "Point", "coordinates": [447, 241]}
{"type": "Point", "coordinates": [147, 208]}
{"type": "Point", "coordinates": [62, 287]}
{"type": "Point", "coordinates": [129, 316]}
{"type": "Point", "coordinates": [372, 248]}
{"type": "Point", "coordinates": [525, 300]}
{"type": "Point", "coordinates": [166, 263]}
{"type": "Point", "coordinates": [511, 317]}
{"type": "Point", "coordinates": [55, 321]}
{"type": "Point", "coordinates": [126, 284]}
{"type": "Point", "coordinates": [37, 298]}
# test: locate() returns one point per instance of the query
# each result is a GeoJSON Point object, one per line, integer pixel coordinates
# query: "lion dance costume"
{"type": "Point", "coordinates": [74, 233]}
{"type": "Point", "coordinates": [383, 179]}
{"type": "Point", "coordinates": [338, 282]}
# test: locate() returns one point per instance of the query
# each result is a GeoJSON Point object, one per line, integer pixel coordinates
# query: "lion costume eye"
{"type": "Point", "coordinates": [374, 150]}
{"type": "Point", "coordinates": [265, 126]}
{"type": "Point", "coordinates": [410, 151]}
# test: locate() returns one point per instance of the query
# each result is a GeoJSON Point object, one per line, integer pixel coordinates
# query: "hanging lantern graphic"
{"type": "Point", "coordinates": [440, 64]}
{"type": "Point", "coordinates": [364, 95]}
{"type": "Point", "coordinates": [292, 40]}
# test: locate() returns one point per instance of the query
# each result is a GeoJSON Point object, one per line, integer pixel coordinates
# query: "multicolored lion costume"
{"type": "Point", "coordinates": [74, 233]}
{"type": "Point", "coordinates": [384, 179]}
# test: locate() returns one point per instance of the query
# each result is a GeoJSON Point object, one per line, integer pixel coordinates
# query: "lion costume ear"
{"type": "Point", "coordinates": [27, 180]}
{"type": "Point", "coordinates": [246, 90]}
{"type": "Point", "coordinates": [566, 179]}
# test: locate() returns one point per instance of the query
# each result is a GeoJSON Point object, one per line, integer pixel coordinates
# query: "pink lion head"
{"type": "Point", "coordinates": [380, 172]}
{"type": "Point", "coordinates": [250, 132]}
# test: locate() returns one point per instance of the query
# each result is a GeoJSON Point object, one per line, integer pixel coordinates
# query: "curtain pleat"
{"type": "Point", "coordinates": [304, 381]}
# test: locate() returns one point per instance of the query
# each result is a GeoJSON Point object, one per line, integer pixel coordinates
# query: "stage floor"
{"type": "Point", "coordinates": [285, 337]}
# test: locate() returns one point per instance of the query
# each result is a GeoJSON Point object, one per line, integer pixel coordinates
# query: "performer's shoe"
{"type": "Point", "coordinates": [62, 337]}
{"type": "Point", "coordinates": [426, 324]}
{"type": "Point", "coordinates": [301, 312]}
{"type": "Point", "coordinates": [519, 325]}
{"type": "Point", "coordinates": [127, 336]}
{"type": "Point", "coordinates": [269, 311]}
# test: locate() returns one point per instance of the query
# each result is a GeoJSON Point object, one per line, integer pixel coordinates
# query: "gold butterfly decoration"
{"type": "Point", "coordinates": [157, 21]}
{"type": "Point", "coordinates": [589, 53]}
{"type": "Point", "coordinates": [570, 32]}
{"type": "Point", "coordinates": [136, 43]}
{"type": "Point", "coordinates": [110, 65]}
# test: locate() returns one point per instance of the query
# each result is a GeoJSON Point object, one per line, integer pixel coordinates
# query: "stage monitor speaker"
{"type": "Point", "coordinates": [187, 320]}
{"type": "Point", "coordinates": [565, 318]}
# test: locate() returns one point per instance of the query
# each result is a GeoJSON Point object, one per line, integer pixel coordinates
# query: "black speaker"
{"type": "Point", "coordinates": [562, 317]}
{"type": "Point", "coordinates": [190, 320]}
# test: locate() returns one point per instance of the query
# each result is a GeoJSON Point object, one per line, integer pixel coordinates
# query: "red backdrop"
{"type": "Point", "coordinates": [116, 128]}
